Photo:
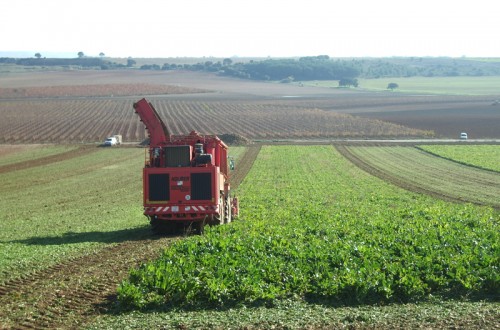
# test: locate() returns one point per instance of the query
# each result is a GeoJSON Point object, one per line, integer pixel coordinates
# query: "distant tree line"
{"type": "Point", "coordinates": [285, 70]}
{"type": "Point", "coordinates": [426, 67]}
{"type": "Point", "coordinates": [321, 67]}
{"type": "Point", "coordinates": [345, 70]}
{"type": "Point", "coordinates": [84, 62]}
{"type": "Point", "coordinates": [305, 68]}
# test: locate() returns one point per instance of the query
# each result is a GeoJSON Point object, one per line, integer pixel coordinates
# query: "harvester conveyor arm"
{"type": "Point", "coordinates": [158, 132]}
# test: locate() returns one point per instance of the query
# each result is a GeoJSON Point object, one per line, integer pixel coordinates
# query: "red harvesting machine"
{"type": "Point", "coordinates": [185, 178]}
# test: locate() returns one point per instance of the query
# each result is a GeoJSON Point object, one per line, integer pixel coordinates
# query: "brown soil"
{"type": "Point", "coordinates": [68, 294]}
{"type": "Point", "coordinates": [244, 165]}
{"type": "Point", "coordinates": [254, 109]}
{"type": "Point", "coordinates": [112, 90]}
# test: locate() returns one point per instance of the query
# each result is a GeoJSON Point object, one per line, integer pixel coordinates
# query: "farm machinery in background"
{"type": "Point", "coordinates": [185, 177]}
{"type": "Point", "coordinates": [113, 141]}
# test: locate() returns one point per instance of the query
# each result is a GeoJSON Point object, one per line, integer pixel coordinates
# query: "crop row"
{"type": "Point", "coordinates": [91, 120]}
{"type": "Point", "coordinates": [94, 90]}
{"type": "Point", "coordinates": [411, 166]}
{"type": "Point", "coordinates": [482, 156]}
{"type": "Point", "coordinates": [314, 227]}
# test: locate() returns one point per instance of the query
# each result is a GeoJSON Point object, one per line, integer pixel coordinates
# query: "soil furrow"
{"type": "Point", "coordinates": [244, 165]}
{"type": "Point", "coordinates": [49, 159]}
{"type": "Point", "coordinates": [75, 289]}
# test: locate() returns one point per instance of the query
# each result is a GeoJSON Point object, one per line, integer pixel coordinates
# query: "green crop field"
{"type": "Point", "coordinates": [314, 228]}
{"type": "Point", "coordinates": [486, 85]}
{"type": "Point", "coordinates": [482, 156]}
{"type": "Point", "coordinates": [52, 212]}
{"type": "Point", "coordinates": [319, 244]}
{"type": "Point", "coordinates": [413, 168]}
{"type": "Point", "coordinates": [438, 85]}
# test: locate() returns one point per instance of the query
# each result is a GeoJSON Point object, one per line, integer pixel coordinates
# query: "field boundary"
{"type": "Point", "coordinates": [365, 166]}
{"type": "Point", "coordinates": [67, 296]}
{"type": "Point", "coordinates": [456, 161]}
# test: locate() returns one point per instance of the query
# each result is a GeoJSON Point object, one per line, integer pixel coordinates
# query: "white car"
{"type": "Point", "coordinates": [463, 136]}
{"type": "Point", "coordinates": [111, 141]}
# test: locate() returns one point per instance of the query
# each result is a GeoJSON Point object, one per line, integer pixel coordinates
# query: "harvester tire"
{"type": "Point", "coordinates": [227, 209]}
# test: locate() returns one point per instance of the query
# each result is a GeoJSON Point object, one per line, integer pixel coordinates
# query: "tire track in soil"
{"type": "Point", "coordinates": [365, 166]}
{"type": "Point", "coordinates": [71, 293]}
{"type": "Point", "coordinates": [244, 165]}
{"type": "Point", "coordinates": [67, 295]}
{"type": "Point", "coordinates": [48, 159]}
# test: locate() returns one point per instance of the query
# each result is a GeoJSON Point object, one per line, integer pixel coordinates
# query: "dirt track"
{"type": "Point", "coordinates": [49, 159]}
{"type": "Point", "coordinates": [244, 165]}
{"type": "Point", "coordinates": [73, 292]}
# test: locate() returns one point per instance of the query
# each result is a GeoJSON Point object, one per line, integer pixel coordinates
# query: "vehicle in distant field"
{"type": "Point", "coordinates": [113, 140]}
{"type": "Point", "coordinates": [463, 136]}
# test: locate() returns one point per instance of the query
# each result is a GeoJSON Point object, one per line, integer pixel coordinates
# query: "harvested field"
{"type": "Point", "coordinates": [479, 119]}
{"type": "Point", "coordinates": [47, 159]}
{"type": "Point", "coordinates": [6, 149]}
{"type": "Point", "coordinates": [64, 295]}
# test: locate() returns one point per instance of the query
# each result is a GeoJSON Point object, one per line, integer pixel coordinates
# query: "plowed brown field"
{"type": "Point", "coordinates": [85, 107]}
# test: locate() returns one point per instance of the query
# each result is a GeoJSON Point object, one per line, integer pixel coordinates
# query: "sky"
{"type": "Point", "coordinates": [259, 28]}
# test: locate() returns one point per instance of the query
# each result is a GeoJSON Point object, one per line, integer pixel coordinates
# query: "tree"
{"type": "Point", "coordinates": [130, 62]}
{"type": "Point", "coordinates": [101, 54]}
{"type": "Point", "coordinates": [227, 61]}
{"type": "Point", "coordinates": [38, 55]}
{"type": "Point", "coordinates": [81, 54]}
{"type": "Point", "coordinates": [347, 82]}
{"type": "Point", "coordinates": [392, 86]}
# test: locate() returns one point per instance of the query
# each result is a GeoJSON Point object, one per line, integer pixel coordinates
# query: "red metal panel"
{"type": "Point", "coordinates": [180, 191]}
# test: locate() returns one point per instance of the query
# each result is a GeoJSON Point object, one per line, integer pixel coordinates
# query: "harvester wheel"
{"type": "Point", "coordinates": [220, 219]}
